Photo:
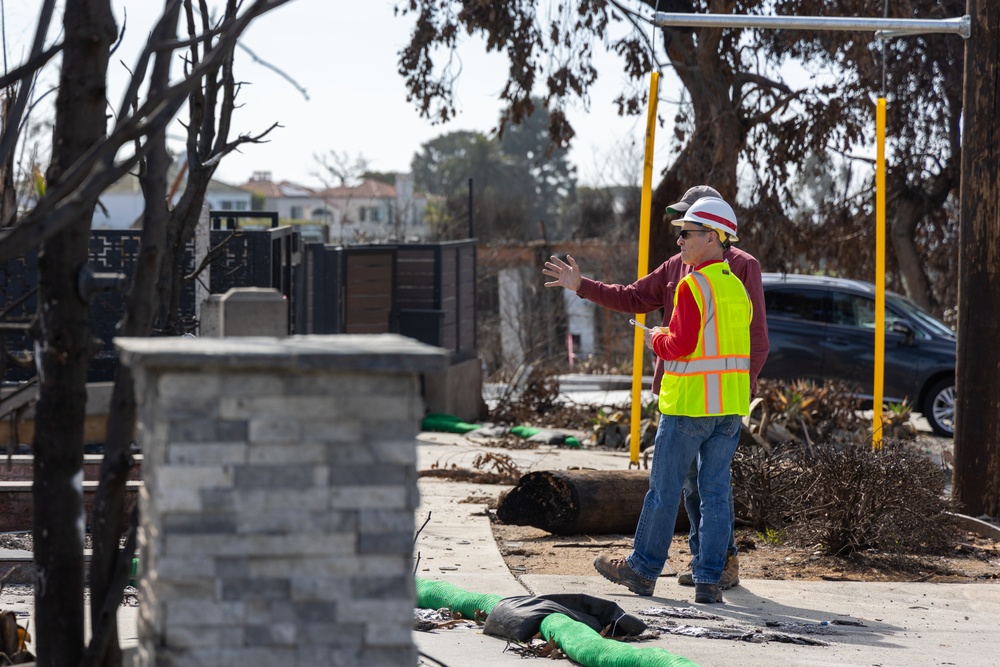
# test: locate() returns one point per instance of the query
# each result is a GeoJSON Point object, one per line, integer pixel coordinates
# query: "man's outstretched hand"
{"type": "Point", "coordinates": [566, 275]}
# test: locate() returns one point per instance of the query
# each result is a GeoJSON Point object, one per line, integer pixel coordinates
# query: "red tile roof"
{"type": "Point", "coordinates": [367, 189]}
{"type": "Point", "coordinates": [263, 188]}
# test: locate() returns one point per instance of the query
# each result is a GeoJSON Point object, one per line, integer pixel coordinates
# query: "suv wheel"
{"type": "Point", "coordinates": [939, 407]}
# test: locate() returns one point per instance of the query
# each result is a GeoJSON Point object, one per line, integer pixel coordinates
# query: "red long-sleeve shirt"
{"type": "Point", "coordinates": [681, 338]}
{"type": "Point", "coordinates": [656, 290]}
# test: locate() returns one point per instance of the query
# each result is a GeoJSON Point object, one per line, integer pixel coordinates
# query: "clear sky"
{"type": "Point", "coordinates": [344, 54]}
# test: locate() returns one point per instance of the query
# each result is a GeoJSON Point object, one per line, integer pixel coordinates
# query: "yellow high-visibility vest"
{"type": "Point", "coordinates": [715, 378]}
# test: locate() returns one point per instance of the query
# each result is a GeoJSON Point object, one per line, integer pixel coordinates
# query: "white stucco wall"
{"type": "Point", "coordinates": [121, 209]}
{"type": "Point", "coordinates": [510, 285]}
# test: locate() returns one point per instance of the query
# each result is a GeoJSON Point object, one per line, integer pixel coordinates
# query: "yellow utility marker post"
{"type": "Point", "coordinates": [879, 275]}
{"type": "Point", "coordinates": [638, 344]}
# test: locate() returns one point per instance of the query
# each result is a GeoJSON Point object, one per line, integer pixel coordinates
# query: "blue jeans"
{"type": "Point", "coordinates": [710, 443]}
{"type": "Point", "coordinates": [692, 505]}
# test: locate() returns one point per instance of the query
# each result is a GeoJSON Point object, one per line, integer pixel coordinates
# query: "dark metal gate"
{"type": "Point", "coordinates": [424, 291]}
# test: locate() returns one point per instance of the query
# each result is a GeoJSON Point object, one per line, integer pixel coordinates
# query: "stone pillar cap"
{"type": "Point", "coordinates": [369, 352]}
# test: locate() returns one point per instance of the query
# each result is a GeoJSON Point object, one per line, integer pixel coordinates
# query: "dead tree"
{"type": "Point", "coordinates": [109, 566]}
{"type": "Point", "coordinates": [84, 163]}
{"type": "Point", "coordinates": [156, 281]}
{"type": "Point", "coordinates": [210, 110]}
{"type": "Point", "coordinates": [64, 343]}
{"type": "Point", "coordinates": [977, 454]}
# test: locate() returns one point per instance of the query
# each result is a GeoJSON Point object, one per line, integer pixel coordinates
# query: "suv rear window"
{"type": "Point", "coordinates": [796, 303]}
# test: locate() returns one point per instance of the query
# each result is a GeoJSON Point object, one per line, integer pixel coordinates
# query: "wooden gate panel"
{"type": "Point", "coordinates": [368, 291]}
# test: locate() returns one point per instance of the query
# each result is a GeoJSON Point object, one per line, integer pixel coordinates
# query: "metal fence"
{"type": "Point", "coordinates": [425, 291]}
{"type": "Point", "coordinates": [267, 258]}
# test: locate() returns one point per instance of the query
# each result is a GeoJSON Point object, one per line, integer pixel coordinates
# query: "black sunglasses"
{"type": "Point", "coordinates": [684, 232]}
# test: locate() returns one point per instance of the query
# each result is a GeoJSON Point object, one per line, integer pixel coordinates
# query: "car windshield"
{"type": "Point", "coordinates": [921, 319]}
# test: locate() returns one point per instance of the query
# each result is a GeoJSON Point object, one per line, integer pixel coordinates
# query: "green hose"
{"type": "Point", "coordinates": [583, 645]}
{"type": "Point", "coordinates": [438, 594]}
{"type": "Point", "coordinates": [580, 643]}
{"type": "Point", "coordinates": [446, 424]}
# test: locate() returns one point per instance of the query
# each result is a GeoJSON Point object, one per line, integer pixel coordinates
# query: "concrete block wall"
{"type": "Point", "coordinates": [280, 486]}
{"type": "Point", "coordinates": [457, 391]}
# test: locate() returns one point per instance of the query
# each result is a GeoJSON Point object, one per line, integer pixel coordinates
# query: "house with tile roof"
{"type": "Point", "coordinates": [122, 204]}
{"type": "Point", "coordinates": [370, 211]}
{"type": "Point", "coordinates": [291, 201]}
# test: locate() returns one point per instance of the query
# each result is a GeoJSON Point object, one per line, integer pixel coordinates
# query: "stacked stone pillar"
{"type": "Point", "coordinates": [280, 486]}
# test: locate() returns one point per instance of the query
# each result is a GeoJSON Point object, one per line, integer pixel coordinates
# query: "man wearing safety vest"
{"type": "Point", "coordinates": [656, 291]}
{"type": "Point", "coordinates": [704, 392]}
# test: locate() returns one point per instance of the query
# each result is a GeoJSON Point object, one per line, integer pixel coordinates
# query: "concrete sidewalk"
{"type": "Point", "coordinates": [885, 624]}
{"type": "Point", "coordinates": [893, 624]}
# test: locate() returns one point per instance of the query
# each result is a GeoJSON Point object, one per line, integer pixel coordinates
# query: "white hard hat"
{"type": "Point", "coordinates": [712, 212]}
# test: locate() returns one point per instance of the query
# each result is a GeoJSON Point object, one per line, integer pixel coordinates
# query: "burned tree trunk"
{"type": "Point", "coordinates": [64, 343]}
{"type": "Point", "coordinates": [573, 502]}
{"type": "Point", "coordinates": [977, 453]}
{"type": "Point", "coordinates": [108, 562]}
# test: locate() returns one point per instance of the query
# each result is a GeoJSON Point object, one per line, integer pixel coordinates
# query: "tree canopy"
{"type": "Point", "coordinates": [520, 182]}
{"type": "Point", "coordinates": [760, 110]}
{"type": "Point", "coordinates": [922, 79]}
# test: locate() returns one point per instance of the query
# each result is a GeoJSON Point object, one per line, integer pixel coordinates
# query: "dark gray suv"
{"type": "Point", "coordinates": [824, 328]}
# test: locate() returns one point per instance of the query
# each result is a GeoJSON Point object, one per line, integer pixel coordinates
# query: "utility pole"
{"type": "Point", "coordinates": [977, 407]}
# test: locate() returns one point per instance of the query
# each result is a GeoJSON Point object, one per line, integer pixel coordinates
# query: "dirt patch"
{"type": "Point", "coordinates": [970, 558]}
{"type": "Point", "coordinates": [528, 550]}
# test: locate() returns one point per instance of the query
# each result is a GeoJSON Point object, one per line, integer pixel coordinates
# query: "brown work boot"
{"type": "Point", "coordinates": [616, 570]}
{"type": "Point", "coordinates": [686, 578]}
{"type": "Point", "coordinates": [707, 593]}
{"type": "Point", "coordinates": [731, 573]}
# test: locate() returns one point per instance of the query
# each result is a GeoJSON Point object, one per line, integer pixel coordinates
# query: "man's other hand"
{"type": "Point", "coordinates": [648, 336]}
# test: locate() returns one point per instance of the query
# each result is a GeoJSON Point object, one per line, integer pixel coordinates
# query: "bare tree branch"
{"type": "Point", "coordinates": [743, 78]}
{"type": "Point", "coordinates": [634, 18]}
{"type": "Point", "coordinates": [775, 108]}
{"type": "Point", "coordinates": [152, 116]}
{"type": "Point", "coordinates": [11, 132]}
{"type": "Point", "coordinates": [132, 94]}
{"type": "Point", "coordinates": [30, 67]}
{"type": "Point", "coordinates": [280, 72]}
{"type": "Point", "coordinates": [231, 146]}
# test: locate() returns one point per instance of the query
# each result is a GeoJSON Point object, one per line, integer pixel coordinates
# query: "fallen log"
{"type": "Point", "coordinates": [588, 502]}
{"type": "Point", "coordinates": [575, 502]}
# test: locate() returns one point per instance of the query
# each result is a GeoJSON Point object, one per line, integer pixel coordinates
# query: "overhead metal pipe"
{"type": "Point", "coordinates": [886, 26]}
